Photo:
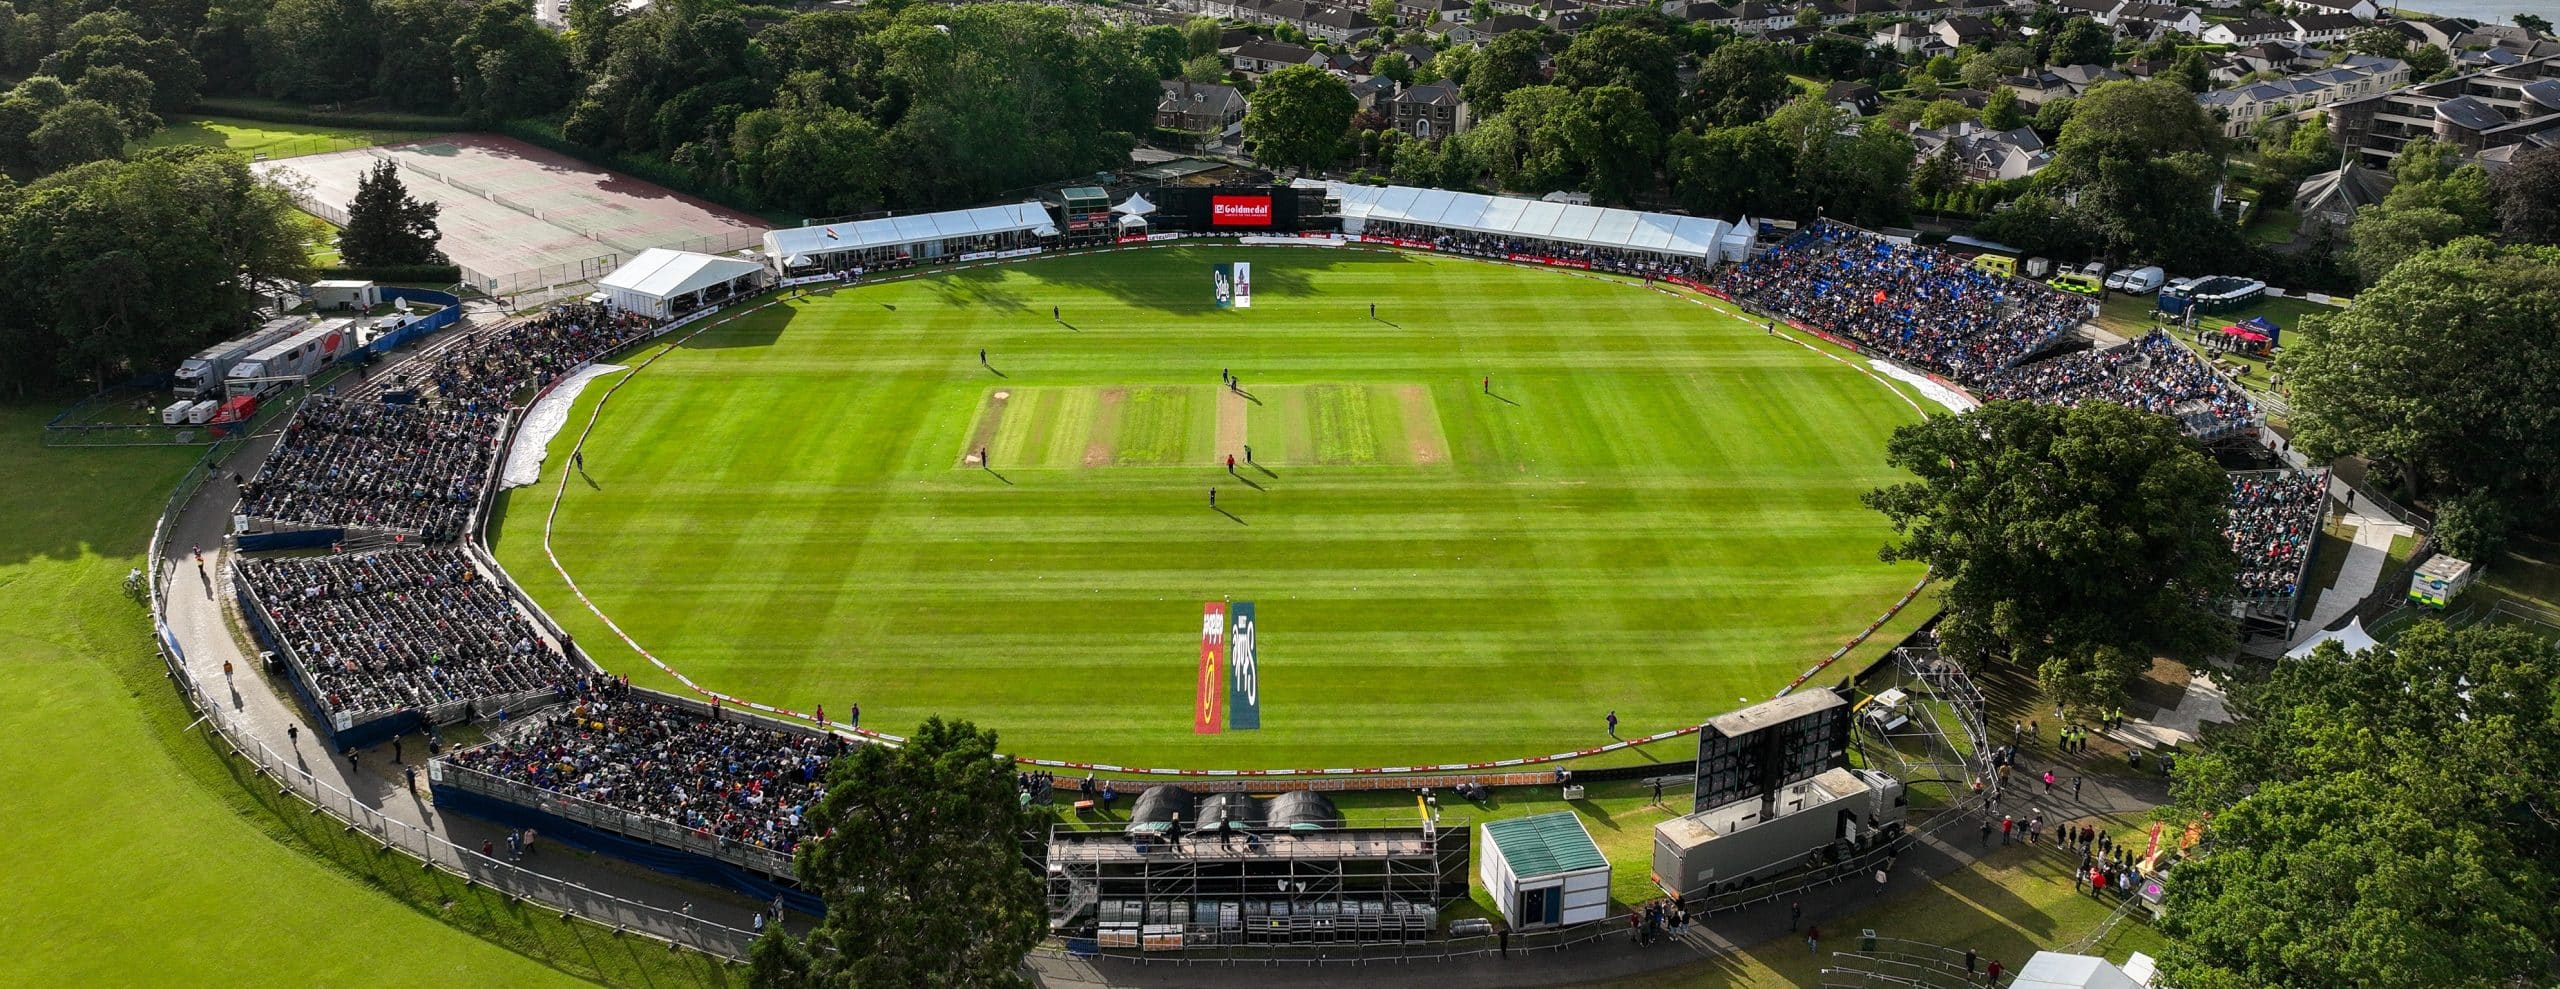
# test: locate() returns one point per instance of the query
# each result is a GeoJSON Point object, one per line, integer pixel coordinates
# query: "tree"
{"type": "Point", "coordinates": [1163, 48]}
{"type": "Point", "coordinates": [2535, 23]}
{"type": "Point", "coordinates": [317, 49]}
{"type": "Point", "coordinates": [388, 226]}
{"type": "Point", "coordinates": [2439, 373]}
{"type": "Point", "coordinates": [921, 866]}
{"type": "Point", "coordinates": [2054, 114]}
{"type": "Point", "coordinates": [124, 90]}
{"type": "Point", "coordinates": [508, 66]}
{"type": "Point", "coordinates": [1942, 113]}
{"type": "Point", "coordinates": [1394, 65]}
{"type": "Point", "coordinates": [2385, 236]}
{"type": "Point", "coordinates": [2191, 72]}
{"type": "Point", "coordinates": [779, 961]}
{"type": "Point", "coordinates": [112, 269]}
{"type": "Point", "coordinates": [1205, 69]}
{"type": "Point", "coordinates": [417, 71]}
{"type": "Point", "coordinates": [1939, 173]}
{"type": "Point", "coordinates": [2082, 41]}
{"type": "Point", "coordinates": [2377, 40]}
{"type": "Point", "coordinates": [2527, 194]}
{"type": "Point", "coordinates": [1735, 171]}
{"type": "Point", "coordinates": [1624, 54]}
{"type": "Point", "coordinates": [76, 132]}
{"type": "Point", "coordinates": [2076, 542]}
{"type": "Point", "coordinates": [175, 76]}
{"type": "Point", "coordinates": [1739, 83]}
{"type": "Point", "coordinates": [1383, 11]}
{"type": "Point", "coordinates": [1982, 71]}
{"type": "Point", "coordinates": [2427, 62]}
{"type": "Point", "coordinates": [1202, 34]}
{"type": "Point", "coordinates": [2435, 198]}
{"type": "Point", "coordinates": [1298, 116]}
{"type": "Point", "coordinates": [2139, 162]}
{"type": "Point", "coordinates": [2380, 819]}
{"type": "Point", "coordinates": [2001, 112]}
{"type": "Point", "coordinates": [1509, 63]}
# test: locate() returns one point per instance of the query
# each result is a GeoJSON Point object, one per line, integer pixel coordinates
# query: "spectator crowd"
{"type": "Point", "coordinates": [726, 778]}
{"type": "Point", "coordinates": [420, 466]}
{"type": "Point", "coordinates": [2154, 374]}
{"type": "Point", "coordinates": [2275, 520]}
{"type": "Point", "coordinates": [1918, 305]}
{"type": "Point", "coordinates": [402, 630]}
{"type": "Point", "coordinates": [1621, 260]}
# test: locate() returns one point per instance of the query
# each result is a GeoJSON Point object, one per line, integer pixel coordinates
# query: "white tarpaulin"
{"type": "Point", "coordinates": [2353, 637]}
{"type": "Point", "coordinates": [1954, 400]}
{"type": "Point", "coordinates": [542, 422]}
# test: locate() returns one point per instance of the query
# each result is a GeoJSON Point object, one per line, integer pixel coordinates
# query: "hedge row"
{"type": "Point", "coordinates": [279, 113]}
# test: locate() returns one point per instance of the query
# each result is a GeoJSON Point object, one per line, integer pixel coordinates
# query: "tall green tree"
{"type": "Point", "coordinates": [2076, 543]}
{"type": "Point", "coordinates": [2527, 194]}
{"type": "Point", "coordinates": [388, 226]}
{"type": "Point", "coordinates": [1739, 83]}
{"type": "Point", "coordinates": [1510, 62]}
{"type": "Point", "coordinates": [317, 49]}
{"type": "Point", "coordinates": [2000, 110]}
{"type": "Point", "coordinates": [1298, 116]}
{"type": "Point", "coordinates": [921, 866]}
{"type": "Point", "coordinates": [126, 91]}
{"type": "Point", "coordinates": [76, 132]}
{"type": "Point", "coordinates": [508, 66]}
{"type": "Point", "coordinates": [175, 76]}
{"type": "Point", "coordinates": [2384, 819]}
{"type": "Point", "coordinates": [2440, 372]}
{"type": "Point", "coordinates": [2435, 199]}
{"type": "Point", "coordinates": [2136, 164]}
{"type": "Point", "coordinates": [2082, 41]}
{"type": "Point", "coordinates": [417, 71]}
{"type": "Point", "coordinates": [1163, 48]}
{"type": "Point", "coordinates": [1636, 55]}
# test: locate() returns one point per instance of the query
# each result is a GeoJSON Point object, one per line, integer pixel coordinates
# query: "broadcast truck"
{"type": "Point", "coordinates": [203, 375]}
{"type": "Point", "coordinates": [292, 359]}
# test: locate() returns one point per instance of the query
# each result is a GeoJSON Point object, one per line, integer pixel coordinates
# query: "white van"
{"type": "Point", "coordinates": [2140, 281]}
{"type": "Point", "coordinates": [176, 413]}
{"type": "Point", "coordinates": [202, 412]}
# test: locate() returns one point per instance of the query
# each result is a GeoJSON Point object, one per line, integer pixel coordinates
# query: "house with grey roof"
{"type": "Point", "coordinates": [1984, 154]}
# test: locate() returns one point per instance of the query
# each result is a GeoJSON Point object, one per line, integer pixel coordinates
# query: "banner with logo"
{"type": "Point", "coordinates": [1212, 687]}
{"type": "Point", "coordinates": [1239, 211]}
{"type": "Point", "coordinates": [1244, 284]}
{"type": "Point", "coordinates": [1244, 674]}
{"type": "Point", "coordinates": [1223, 278]}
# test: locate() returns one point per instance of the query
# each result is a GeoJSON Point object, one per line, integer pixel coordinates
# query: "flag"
{"type": "Point", "coordinates": [831, 233]}
{"type": "Point", "coordinates": [1211, 688]}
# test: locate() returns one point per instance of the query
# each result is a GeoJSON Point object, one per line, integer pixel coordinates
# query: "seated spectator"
{"type": "Point", "coordinates": [2275, 521]}
{"type": "Point", "coordinates": [377, 633]}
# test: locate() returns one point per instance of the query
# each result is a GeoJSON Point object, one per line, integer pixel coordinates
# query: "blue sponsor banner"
{"type": "Point", "coordinates": [1223, 278]}
{"type": "Point", "coordinates": [1244, 671]}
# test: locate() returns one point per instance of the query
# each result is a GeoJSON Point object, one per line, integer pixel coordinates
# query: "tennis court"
{"type": "Point", "coordinates": [521, 220]}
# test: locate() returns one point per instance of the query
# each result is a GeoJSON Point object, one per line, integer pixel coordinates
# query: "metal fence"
{"type": "Point", "coordinates": [430, 849]}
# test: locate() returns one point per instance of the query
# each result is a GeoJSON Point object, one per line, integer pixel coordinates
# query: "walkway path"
{"type": "Point", "coordinates": [2367, 556]}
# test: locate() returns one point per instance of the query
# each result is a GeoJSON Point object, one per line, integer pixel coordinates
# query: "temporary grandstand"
{"type": "Point", "coordinates": [1366, 208]}
{"type": "Point", "coordinates": [892, 241]}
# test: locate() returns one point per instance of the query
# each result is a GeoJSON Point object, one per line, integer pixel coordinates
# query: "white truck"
{"type": "Point", "coordinates": [202, 376]}
{"type": "Point", "coordinates": [292, 359]}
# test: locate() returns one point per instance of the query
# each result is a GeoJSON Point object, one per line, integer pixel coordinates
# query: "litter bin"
{"type": "Point", "coordinates": [1867, 940]}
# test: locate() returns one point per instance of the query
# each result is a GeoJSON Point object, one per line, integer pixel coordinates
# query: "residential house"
{"type": "Point", "coordinates": [1755, 18]}
{"type": "Point", "coordinates": [2312, 29]}
{"type": "Point", "coordinates": [1927, 11]}
{"type": "Point", "coordinates": [2081, 77]}
{"type": "Point", "coordinates": [2249, 31]}
{"type": "Point", "coordinates": [1855, 98]}
{"type": "Point", "coordinates": [1964, 29]}
{"type": "Point", "coordinates": [1521, 7]}
{"type": "Point", "coordinates": [1257, 58]}
{"type": "Point", "coordinates": [2477, 112]}
{"type": "Point", "coordinates": [1567, 16]}
{"type": "Point", "coordinates": [1502, 24]}
{"type": "Point", "coordinates": [1910, 39]}
{"type": "Point", "coordinates": [1701, 12]}
{"type": "Point", "coordinates": [1985, 154]}
{"type": "Point", "coordinates": [1829, 14]}
{"type": "Point", "coordinates": [2150, 19]}
{"type": "Point", "coordinates": [1419, 12]}
{"type": "Point", "coordinates": [2102, 11]}
{"type": "Point", "coordinates": [1456, 32]}
{"type": "Point", "coordinates": [2364, 10]}
{"type": "Point", "coordinates": [1432, 110]}
{"type": "Point", "coordinates": [2442, 32]}
{"type": "Point", "coordinates": [1192, 106]}
{"type": "Point", "coordinates": [2241, 108]}
{"type": "Point", "coordinates": [1371, 92]}
{"type": "Point", "coordinates": [2040, 86]}
{"type": "Point", "coordinates": [1869, 8]}
{"type": "Point", "coordinates": [1337, 25]}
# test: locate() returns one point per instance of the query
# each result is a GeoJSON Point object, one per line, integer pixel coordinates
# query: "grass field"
{"type": "Point", "coordinates": [273, 140]}
{"type": "Point", "coordinates": [1654, 510]}
{"type": "Point", "coordinates": [137, 856]}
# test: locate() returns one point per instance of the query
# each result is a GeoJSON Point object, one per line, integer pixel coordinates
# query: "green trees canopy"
{"type": "Point", "coordinates": [2138, 162]}
{"type": "Point", "coordinates": [2528, 196]}
{"type": "Point", "coordinates": [388, 226]}
{"type": "Point", "coordinates": [1298, 116]}
{"type": "Point", "coordinates": [2442, 370]}
{"type": "Point", "coordinates": [1794, 163]}
{"type": "Point", "coordinates": [1601, 140]}
{"type": "Point", "coordinates": [1509, 62]}
{"type": "Point", "coordinates": [507, 66]}
{"type": "Point", "coordinates": [1739, 84]}
{"type": "Point", "coordinates": [921, 867]}
{"type": "Point", "coordinates": [118, 267]}
{"type": "Point", "coordinates": [2077, 542]}
{"type": "Point", "coordinates": [1635, 55]}
{"type": "Point", "coordinates": [2377, 820]}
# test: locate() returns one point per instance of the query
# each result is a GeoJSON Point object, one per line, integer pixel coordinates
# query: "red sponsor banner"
{"type": "Point", "coordinates": [1419, 245]}
{"type": "Point", "coordinates": [1239, 211]}
{"type": "Point", "coordinates": [1543, 259]}
{"type": "Point", "coordinates": [1211, 692]}
{"type": "Point", "coordinates": [1684, 282]}
{"type": "Point", "coordinates": [1131, 239]}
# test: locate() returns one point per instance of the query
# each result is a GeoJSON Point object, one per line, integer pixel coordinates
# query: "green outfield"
{"type": "Point", "coordinates": [1653, 509]}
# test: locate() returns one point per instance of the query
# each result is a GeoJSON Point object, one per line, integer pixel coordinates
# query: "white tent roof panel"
{"type": "Point", "coordinates": [1664, 233]}
{"type": "Point", "coordinates": [900, 231]}
{"type": "Point", "coordinates": [659, 273]}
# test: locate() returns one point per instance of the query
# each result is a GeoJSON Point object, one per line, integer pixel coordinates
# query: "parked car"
{"type": "Point", "coordinates": [2140, 281]}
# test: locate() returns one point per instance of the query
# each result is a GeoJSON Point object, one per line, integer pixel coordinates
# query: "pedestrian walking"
{"type": "Point", "coordinates": [1613, 724]}
{"type": "Point", "coordinates": [293, 735]}
{"type": "Point", "coordinates": [2075, 786]}
{"type": "Point", "coordinates": [515, 845]}
{"type": "Point", "coordinates": [1971, 961]}
{"type": "Point", "coordinates": [1986, 829]}
{"type": "Point", "coordinates": [1992, 973]}
{"type": "Point", "coordinates": [854, 719]}
{"type": "Point", "coordinates": [758, 922]}
{"type": "Point", "coordinates": [1657, 790]}
{"type": "Point", "coordinates": [2008, 824]}
{"type": "Point", "coordinates": [1813, 940]}
{"type": "Point", "coordinates": [983, 461]}
{"type": "Point", "coordinates": [1248, 453]}
{"type": "Point", "coordinates": [2048, 781]}
{"type": "Point", "coordinates": [1772, 327]}
{"type": "Point", "coordinates": [412, 774]}
{"type": "Point", "coordinates": [821, 715]}
{"type": "Point", "coordinates": [395, 751]}
{"type": "Point", "coordinates": [226, 669]}
{"type": "Point", "coordinates": [1881, 876]}
{"type": "Point", "coordinates": [1795, 914]}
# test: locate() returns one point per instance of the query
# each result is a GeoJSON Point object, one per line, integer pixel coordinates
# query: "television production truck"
{"type": "Point", "coordinates": [202, 376]}
{"type": "Point", "coordinates": [293, 359]}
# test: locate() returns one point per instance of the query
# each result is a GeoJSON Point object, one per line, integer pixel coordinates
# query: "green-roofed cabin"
{"type": "Point", "coordinates": [1545, 871]}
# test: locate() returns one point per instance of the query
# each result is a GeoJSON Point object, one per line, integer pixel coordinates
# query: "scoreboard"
{"type": "Point", "coordinates": [1762, 749]}
{"type": "Point", "coordinates": [1241, 209]}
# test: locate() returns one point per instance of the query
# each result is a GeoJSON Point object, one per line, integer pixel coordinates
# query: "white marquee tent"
{"type": "Point", "coordinates": [920, 233]}
{"type": "Point", "coordinates": [1505, 216]}
{"type": "Point", "coordinates": [658, 281]}
{"type": "Point", "coordinates": [2353, 637]}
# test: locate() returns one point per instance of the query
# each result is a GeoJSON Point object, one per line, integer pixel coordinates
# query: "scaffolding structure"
{"type": "Point", "coordinates": [1157, 892]}
{"type": "Point", "coordinates": [1935, 732]}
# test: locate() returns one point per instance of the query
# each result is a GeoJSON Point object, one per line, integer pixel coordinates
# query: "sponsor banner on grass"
{"type": "Point", "coordinates": [1244, 670]}
{"type": "Point", "coordinates": [1222, 278]}
{"type": "Point", "coordinates": [1212, 687]}
{"type": "Point", "coordinates": [1244, 284]}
